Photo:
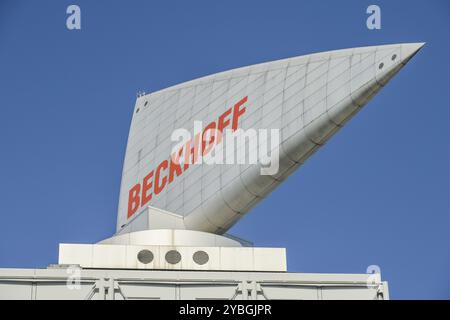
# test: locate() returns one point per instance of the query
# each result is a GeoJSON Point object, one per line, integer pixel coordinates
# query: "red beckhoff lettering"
{"type": "Point", "coordinates": [166, 172]}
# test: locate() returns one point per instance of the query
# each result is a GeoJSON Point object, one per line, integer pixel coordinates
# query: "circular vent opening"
{"type": "Point", "coordinates": [381, 65]}
{"type": "Point", "coordinates": [173, 257]}
{"type": "Point", "coordinates": [200, 257]}
{"type": "Point", "coordinates": [145, 256]}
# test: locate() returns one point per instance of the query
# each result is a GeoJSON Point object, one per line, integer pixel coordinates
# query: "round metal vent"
{"type": "Point", "coordinates": [394, 56]}
{"type": "Point", "coordinates": [173, 257]}
{"type": "Point", "coordinates": [381, 65]}
{"type": "Point", "coordinates": [145, 256]}
{"type": "Point", "coordinates": [200, 257]}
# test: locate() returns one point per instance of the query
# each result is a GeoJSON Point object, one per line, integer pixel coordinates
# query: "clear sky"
{"type": "Point", "coordinates": [377, 193]}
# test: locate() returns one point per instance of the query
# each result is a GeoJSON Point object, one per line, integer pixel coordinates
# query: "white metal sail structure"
{"type": "Point", "coordinates": [173, 214]}
{"type": "Point", "coordinates": [308, 98]}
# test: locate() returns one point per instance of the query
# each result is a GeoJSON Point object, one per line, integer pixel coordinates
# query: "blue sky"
{"type": "Point", "coordinates": [377, 193]}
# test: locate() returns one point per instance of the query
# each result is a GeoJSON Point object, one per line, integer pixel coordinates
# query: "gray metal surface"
{"type": "Point", "coordinates": [61, 283]}
{"type": "Point", "coordinates": [308, 98]}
